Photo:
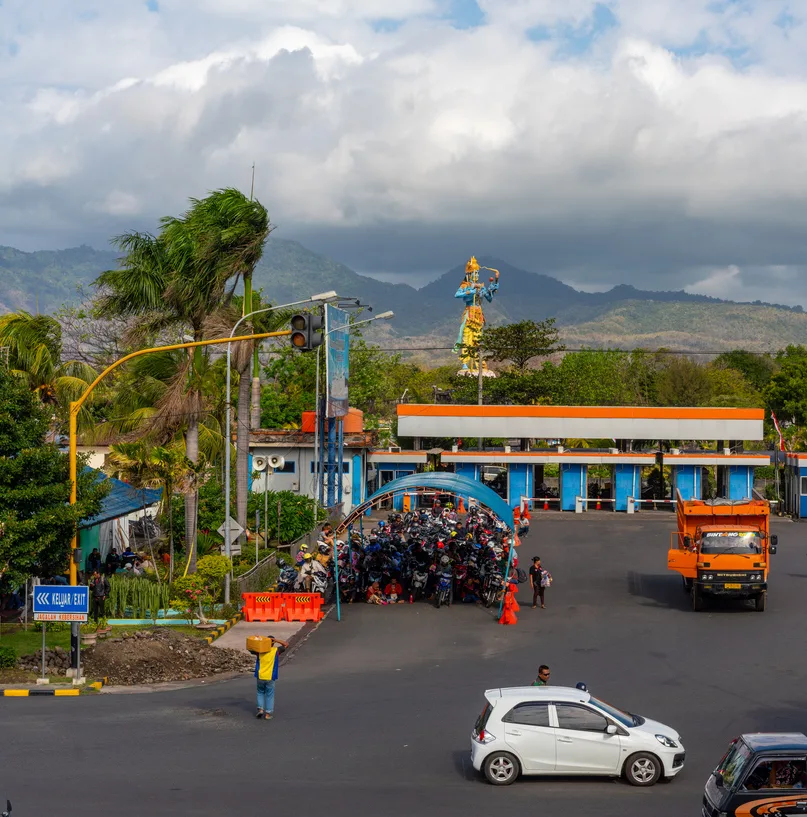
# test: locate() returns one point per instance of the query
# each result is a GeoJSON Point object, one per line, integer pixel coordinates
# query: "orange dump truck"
{"type": "Point", "coordinates": [723, 548]}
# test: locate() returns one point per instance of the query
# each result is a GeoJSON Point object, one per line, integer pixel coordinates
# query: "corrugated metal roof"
{"type": "Point", "coordinates": [121, 500]}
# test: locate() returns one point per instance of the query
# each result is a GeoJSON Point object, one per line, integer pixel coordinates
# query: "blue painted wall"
{"type": "Point", "coordinates": [466, 469]}
{"type": "Point", "coordinates": [802, 506]}
{"type": "Point", "coordinates": [520, 482]}
{"type": "Point", "coordinates": [573, 483]}
{"type": "Point", "coordinates": [741, 481]}
{"type": "Point", "coordinates": [687, 480]}
{"type": "Point", "coordinates": [627, 482]}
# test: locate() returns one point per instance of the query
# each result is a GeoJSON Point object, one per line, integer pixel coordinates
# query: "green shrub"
{"type": "Point", "coordinates": [52, 626]}
{"type": "Point", "coordinates": [8, 657]}
{"type": "Point", "coordinates": [213, 569]}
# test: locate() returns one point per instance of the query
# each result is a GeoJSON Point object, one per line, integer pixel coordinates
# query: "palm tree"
{"type": "Point", "coordinates": [34, 345]}
{"type": "Point", "coordinates": [176, 281]}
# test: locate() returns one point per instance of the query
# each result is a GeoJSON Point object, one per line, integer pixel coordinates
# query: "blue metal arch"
{"type": "Point", "coordinates": [441, 481]}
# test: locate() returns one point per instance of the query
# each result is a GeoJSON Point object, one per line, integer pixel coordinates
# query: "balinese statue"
{"type": "Point", "coordinates": [472, 291]}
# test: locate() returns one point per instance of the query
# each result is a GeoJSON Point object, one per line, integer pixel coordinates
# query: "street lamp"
{"type": "Point", "coordinates": [321, 297]}
{"type": "Point", "coordinates": [384, 316]}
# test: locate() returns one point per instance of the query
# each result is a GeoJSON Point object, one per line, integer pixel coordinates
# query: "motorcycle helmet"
{"type": "Point", "coordinates": [303, 547]}
{"type": "Point", "coordinates": [281, 562]}
{"type": "Point", "coordinates": [308, 557]}
{"type": "Point", "coordinates": [440, 546]}
{"type": "Point", "coordinates": [444, 560]}
{"type": "Point", "coordinates": [323, 548]}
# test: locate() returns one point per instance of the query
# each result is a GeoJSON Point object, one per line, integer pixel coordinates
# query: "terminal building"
{"type": "Point", "coordinates": [516, 470]}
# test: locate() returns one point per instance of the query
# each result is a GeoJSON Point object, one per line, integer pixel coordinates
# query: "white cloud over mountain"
{"type": "Point", "coordinates": [657, 143]}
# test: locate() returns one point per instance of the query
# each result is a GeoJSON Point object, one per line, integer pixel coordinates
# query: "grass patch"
{"type": "Point", "coordinates": [27, 642]}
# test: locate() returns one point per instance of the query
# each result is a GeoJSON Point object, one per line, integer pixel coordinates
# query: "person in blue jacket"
{"type": "Point", "coordinates": [266, 665]}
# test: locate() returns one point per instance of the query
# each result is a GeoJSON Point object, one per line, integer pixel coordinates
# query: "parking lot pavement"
{"type": "Point", "coordinates": [375, 712]}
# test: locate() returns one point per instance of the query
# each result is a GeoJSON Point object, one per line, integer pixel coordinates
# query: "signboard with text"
{"type": "Point", "coordinates": [337, 349]}
{"type": "Point", "coordinates": [58, 602]}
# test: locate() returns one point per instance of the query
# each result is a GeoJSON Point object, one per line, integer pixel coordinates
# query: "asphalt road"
{"type": "Point", "coordinates": [374, 713]}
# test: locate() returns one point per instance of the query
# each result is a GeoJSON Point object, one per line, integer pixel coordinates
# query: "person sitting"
{"type": "Point", "coordinates": [394, 591]}
{"type": "Point", "coordinates": [111, 562]}
{"type": "Point", "coordinates": [94, 561]}
{"type": "Point", "coordinates": [301, 554]}
{"type": "Point", "coordinates": [137, 568]}
{"type": "Point", "coordinates": [374, 594]}
{"type": "Point", "coordinates": [128, 555]}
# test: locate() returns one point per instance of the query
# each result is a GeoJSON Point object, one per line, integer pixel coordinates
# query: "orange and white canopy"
{"type": "Point", "coordinates": [580, 422]}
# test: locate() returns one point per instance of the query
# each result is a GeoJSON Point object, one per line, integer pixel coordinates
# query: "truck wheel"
{"type": "Point", "coordinates": [759, 602]}
{"type": "Point", "coordinates": [697, 599]}
{"type": "Point", "coordinates": [687, 584]}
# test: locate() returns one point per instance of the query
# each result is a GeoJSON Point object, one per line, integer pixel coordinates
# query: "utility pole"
{"type": "Point", "coordinates": [479, 380]}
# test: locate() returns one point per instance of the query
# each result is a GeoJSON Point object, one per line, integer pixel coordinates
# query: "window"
{"type": "Point", "coordinates": [345, 467]}
{"type": "Point", "coordinates": [483, 718]}
{"type": "Point", "coordinates": [580, 718]}
{"type": "Point", "coordinates": [804, 486]}
{"type": "Point", "coordinates": [734, 763]}
{"type": "Point", "coordinates": [289, 467]}
{"type": "Point", "coordinates": [530, 714]}
{"type": "Point", "coordinates": [784, 773]}
{"type": "Point", "coordinates": [625, 718]}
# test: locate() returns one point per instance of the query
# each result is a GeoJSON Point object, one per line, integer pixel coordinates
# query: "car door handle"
{"type": "Point", "coordinates": [565, 740]}
{"type": "Point", "coordinates": [514, 732]}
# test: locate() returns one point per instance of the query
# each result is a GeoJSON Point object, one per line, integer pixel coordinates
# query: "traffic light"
{"type": "Point", "coordinates": [306, 331]}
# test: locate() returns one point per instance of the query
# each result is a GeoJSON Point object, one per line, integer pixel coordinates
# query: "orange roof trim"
{"type": "Point", "coordinates": [612, 412]}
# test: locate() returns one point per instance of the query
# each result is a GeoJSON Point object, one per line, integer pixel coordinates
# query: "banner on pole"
{"type": "Point", "coordinates": [337, 343]}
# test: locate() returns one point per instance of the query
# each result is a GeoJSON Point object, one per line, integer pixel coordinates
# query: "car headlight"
{"type": "Point", "coordinates": [665, 741]}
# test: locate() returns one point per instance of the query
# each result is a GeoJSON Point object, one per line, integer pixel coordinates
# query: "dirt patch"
{"type": "Point", "coordinates": [157, 655]}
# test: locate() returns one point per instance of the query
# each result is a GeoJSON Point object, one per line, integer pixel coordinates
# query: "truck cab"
{"type": "Point", "coordinates": [763, 773]}
{"type": "Point", "coordinates": [723, 548]}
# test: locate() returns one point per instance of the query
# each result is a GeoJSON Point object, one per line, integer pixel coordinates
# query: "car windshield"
{"type": "Point", "coordinates": [734, 763]}
{"type": "Point", "coordinates": [730, 541]}
{"type": "Point", "coordinates": [625, 718]}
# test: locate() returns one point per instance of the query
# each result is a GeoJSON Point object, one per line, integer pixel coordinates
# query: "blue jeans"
{"type": "Point", "coordinates": [266, 696]}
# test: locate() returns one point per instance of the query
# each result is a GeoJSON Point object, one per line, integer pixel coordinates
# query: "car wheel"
{"type": "Point", "coordinates": [501, 768]}
{"type": "Point", "coordinates": [697, 599]}
{"type": "Point", "coordinates": [759, 602]}
{"type": "Point", "coordinates": [642, 769]}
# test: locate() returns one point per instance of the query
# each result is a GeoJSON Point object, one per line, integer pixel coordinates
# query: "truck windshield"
{"type": "Point", "coordinates": [734, 763]}
{"type": "Point", "coordinates": [730, 541]}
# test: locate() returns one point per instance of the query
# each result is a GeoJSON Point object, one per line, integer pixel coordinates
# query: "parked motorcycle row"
{"type": "Point", "coordinates": [433, 555]}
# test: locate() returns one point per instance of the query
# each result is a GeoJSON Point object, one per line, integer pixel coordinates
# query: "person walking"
{"type": "Point", "coordinates": [543, 676]}
{"type": "Point", "coordinates": [266, 665]}
{"type": "Point", "coordinates": [540, 579]}
{"type": "Point", "coordinates": [99, 589]}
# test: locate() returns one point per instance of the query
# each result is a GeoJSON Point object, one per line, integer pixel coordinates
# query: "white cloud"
{"type": "Point", "coordinates": [115, 115]}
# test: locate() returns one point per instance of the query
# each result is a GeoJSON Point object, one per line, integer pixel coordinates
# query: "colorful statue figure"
{"type": "Point", "coordinates": [472, 291]}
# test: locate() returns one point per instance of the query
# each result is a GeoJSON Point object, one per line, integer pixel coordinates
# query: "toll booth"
{"type": "Point", "coordinates": [795, 485]}
{"type": "Point", "coordinates": [391, 465]}
{"type": "Point", "coordinates": [627, 482]}
{"type": "Point", "coordinates": [573, 484]}
{"type": "Point", "coordinates": [520, 483]}
{"type": "Point", "coordinates": [687, 480]}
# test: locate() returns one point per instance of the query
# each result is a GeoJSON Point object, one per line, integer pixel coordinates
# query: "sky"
{"type": "Point", "coordinates": [659, 143]}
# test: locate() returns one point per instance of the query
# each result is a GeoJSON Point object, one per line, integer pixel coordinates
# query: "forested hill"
{"type": "Point", "coordinates": [624, 316]}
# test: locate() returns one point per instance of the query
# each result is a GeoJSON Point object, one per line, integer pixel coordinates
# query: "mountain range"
{"type": "Point", "coordinates": [623, 317]}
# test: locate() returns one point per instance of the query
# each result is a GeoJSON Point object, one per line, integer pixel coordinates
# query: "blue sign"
{"type": "Point", "coordinates": [59, 602]}
{"type": "Point", "coordinates": [337, 351]}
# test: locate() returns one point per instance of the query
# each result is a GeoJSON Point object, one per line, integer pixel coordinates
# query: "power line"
{"type": "Point", "coordinates": [663, 351]}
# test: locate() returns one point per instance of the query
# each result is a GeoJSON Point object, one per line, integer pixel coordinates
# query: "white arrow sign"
{"type": "Point", "coordinates": [42, 598]}
{"type": "Point", "coordinates": [235, 529]}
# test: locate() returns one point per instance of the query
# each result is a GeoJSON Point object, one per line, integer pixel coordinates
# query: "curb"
{"type": "Point", "coordinates": [219, 631]}
{"type": "Point", "coordinates": [31, 693]}
{"type": "Point", "coordinates": [99, 685]}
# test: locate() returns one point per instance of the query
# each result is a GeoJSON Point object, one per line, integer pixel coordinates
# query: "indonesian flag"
{"type": "Point", "coordinates": [779, 432]}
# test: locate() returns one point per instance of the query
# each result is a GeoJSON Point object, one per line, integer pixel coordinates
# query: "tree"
{"type": "Point", "coordinates": [166, 467]}
{"type": "Point", "coordinates": [729, 387]}
{"type": "Point", "coordinates": [786, 393]}
{"type": "Point", "coordinates": [37, 522]}
{"type": "Point", "coordinates": [683, 383]}
{"type": "Point", "coordinates": [35, 356]}
{"type": "Point", "coordinates": [177, 281]}
{"type": "Point", "coordinates": [757, 368]}
{"type": "Point", "coordinates": [521, 342]}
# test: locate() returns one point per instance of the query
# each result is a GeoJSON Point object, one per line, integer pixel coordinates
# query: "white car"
{"type": "Point", "coordinates": [553, 730]}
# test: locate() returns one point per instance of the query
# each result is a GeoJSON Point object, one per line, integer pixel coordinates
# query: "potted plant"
{"type": "Point", "coordinates": [89, 635]}
{"type": "Point", "coordinates": [102, 627]}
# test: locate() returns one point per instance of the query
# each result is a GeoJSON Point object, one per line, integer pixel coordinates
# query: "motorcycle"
{"type": "Point", "coordinates": [417, 588]}
{"type": "Point", "coordinates": [492, 587]}
{"type": "Point", "coordinates": [8, 809]}
{"type": "Point", "coordinates": [444, 590]}
{"type": "Point", "coordinates": [287, 579]}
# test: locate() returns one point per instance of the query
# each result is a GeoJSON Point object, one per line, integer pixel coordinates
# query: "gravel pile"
{"type": "Point", "coordinates": [157, 655]}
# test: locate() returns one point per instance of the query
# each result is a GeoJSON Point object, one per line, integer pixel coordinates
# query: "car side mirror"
{"type": "Point", "coordinates": [718, 780]}
{"type": "Point", "coordinates": [687, 542]}
{"type": "Point", "coordinates": [610, 729]}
